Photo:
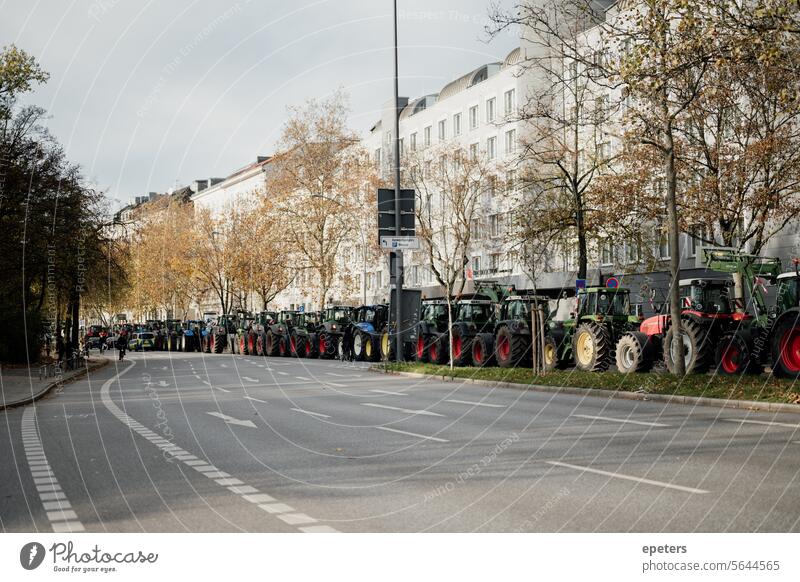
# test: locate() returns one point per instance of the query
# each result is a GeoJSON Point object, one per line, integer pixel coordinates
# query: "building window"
{"type": "Point", "coordinates": [401, 144]}
{"type": "Point", "coordinates": [413, 141]}
{"type": "Point", "coordinates": [473, 117]}
{"type": "Point", "coordinates": [491, 185]}
{"type": "Point", "coordinates": [475, 229]}
{"type": "Point", "coordinates": [491, 147]}
{"type": "Point", "coordinates": [511, 141]}
{"type": "Point", "coordinates": [633, 252]}
{"type": "Point", "coordinates": [511, 181]}
{"type": "Point", "coordinates": [427, 135]}
{"type": "Point", "coordinates": [490, 110]}
{"type": "Point", "coordinates": [607, 253]}
{"type": "Point", "coordinates": [378, 279]}
{"type": "Point", "coordinates": [495, 222]}
{"type": "Point", "coordinates": [442, 130]}
{"type": "Point", "coordinates": [473, 151]}
{"type": "Point", "coordinates": [509, 101]}
{"type": "Point", "coordinates": [457, 124]}
{"type": "Point", "coordinates": [377, 158]}
{"type": "Point", "coordinates": [663, 244]}
{"type": "Point", "coordinates": [603, 150]}
{"type": "Point", "coordinates": [494, 262]}
{"type": "Point", "coordinates": [415, 275]}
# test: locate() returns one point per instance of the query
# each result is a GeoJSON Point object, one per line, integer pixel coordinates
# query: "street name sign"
{"type": "Point", "coordinates": [399, 243]}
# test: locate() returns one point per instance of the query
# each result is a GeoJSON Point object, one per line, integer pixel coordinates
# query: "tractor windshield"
{"type": "Point", "coordinates": [518, 310]}
{"type": "Point", "coordinates": [340, 315]}
{"type": "Point", "coordinates": [708, 299]}
{"type": "Point", "coordinates": [611, 303]}
{"type": "Point", "coordinates": [474, 312]}
{"type": "Point", "coordinates": [788, 293]}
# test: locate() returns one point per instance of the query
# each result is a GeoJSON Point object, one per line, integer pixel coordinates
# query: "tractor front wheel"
{"type": "Point", "coordinates": [219, 343]}
{"type": "Point", "coordinates": [438, 349]}
{"type": "Point", "coordinates": [697, 350]}
{"type": "Point", "coordinates": [633, 353]}
{"type": "Point", "coordinates": [512, 349]}
{"type": "Point", "coordinates": [421, 348]}
{"type": "Point", "coordinates": [462, 348]}
{"type": "Point", "coordinates": [359, 341]}
{"type": "Point", "coordinates": [483, 350]}
{"type": "Point", "coordinates": [732, 356]}
{"type": "Point", "coordinates": [786, 346]}
{"type": "Point", "coordinates": [592, 347]}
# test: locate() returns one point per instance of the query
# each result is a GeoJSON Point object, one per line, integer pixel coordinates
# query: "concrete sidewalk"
{"type": "Point", "coordinates": [23, 385]}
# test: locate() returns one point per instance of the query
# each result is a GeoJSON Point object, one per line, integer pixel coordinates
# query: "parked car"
{"type": "Point", "coordinates": [142, 341]}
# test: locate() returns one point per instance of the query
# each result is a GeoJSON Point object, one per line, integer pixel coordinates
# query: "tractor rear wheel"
{"type": "Point", "coordinates": [697, 350]}
{"type": "Point", "coordinates": [462, 348]}
{"type": "Point", "coordinates": [359, 341]}
{"type": "Point", "coordinates": [786, 346]}
{"type": "Point", "coordinates": [272, 346]}
{"type": "Point", "coordinates": [299, 345]}
{"type": "Point", "coordinates": [371, 352]}
{"type": "Point", "coordinates": [592, 347]}
{"type": "Point", "coordinates": [387, 347]}
{"type": "Point", "coordinates": [483, 350]}
{"type": "Point", "coordinates": [438, 349]}
{"type": "Point", "coordinates": [283, 346]}
{"type": "Point", "coordinates": [732, 355]}
{"type": "Point", "coordinates": [550, 355]}
{"type": "Point", "coordinates": [634, 353]}
{"type": "Point", "coordinates": [242, 341]}
{"type": "Point", "coordinates": [421, 347]}
{"type": "Point", "coordinates": [512, 349]}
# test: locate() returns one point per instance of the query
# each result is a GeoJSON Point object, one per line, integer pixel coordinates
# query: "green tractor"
{"type": "Point", "coordinates": [771, 335]}
{"type": "Point", "coordinates": [588, 338]}
{"type": "Point", "coordinates": [432, 324]}
{"type": "Point", "coordinates": [240, 343]}
{"type": "Point", "coordinates": [331, 330]}
{"type": "Point", "coordinates": [510, 344]}
{"type": "Point", "coordinates": [173, 333]}
{"type": "Point", "coordinates": [257, 336]}
{"type": "Point", "coordinates": [308, 324]}
{"type": "Point", "coordinates": [218, 332]}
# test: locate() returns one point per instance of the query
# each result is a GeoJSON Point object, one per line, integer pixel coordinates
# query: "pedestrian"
{"type": "Point", "coordinates": [122, 343]}
{"type": "Point", "coordinates": [347, 344]}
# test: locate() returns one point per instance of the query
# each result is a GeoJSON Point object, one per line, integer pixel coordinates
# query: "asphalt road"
{"type": "Point", "coordinates": [194, 442]}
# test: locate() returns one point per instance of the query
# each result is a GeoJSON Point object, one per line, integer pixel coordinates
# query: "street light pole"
{"type": "Point", "coordinates": [397, 215]}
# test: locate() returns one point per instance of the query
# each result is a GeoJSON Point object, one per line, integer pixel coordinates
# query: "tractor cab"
{"type": "Point", "coordinates": [788, 291]}
{"type": "Point", "coordinates": [520, 307]}
{"type": "Point", "coordinates": [226, 322]}
{"type": "Point", "coordinates": [479, 312]}
{"type": "Point", "coordinates": [602, 303]}
{"type": "Point", "coordinates": [289, 318]}
{"type": "Point", "coordinates": [335, 318]}
{"type": "Point", "coordinates": [434, 313]}
{"type": "Point", "coordinates": [174, 325]}
{"type": "Point", "coordinates": [308, 320]}
{"type": "Point", "coordinates": [370, 318]}
{"type": "Point", "coordinates": [707, 296]}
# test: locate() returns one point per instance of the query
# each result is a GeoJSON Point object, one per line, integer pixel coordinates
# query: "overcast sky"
{"type": "Point", "coordinates": [146, 95]}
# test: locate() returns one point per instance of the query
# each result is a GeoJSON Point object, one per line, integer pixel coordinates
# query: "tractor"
{"type": "Point", "coordinates": [329, 335]}
{"type": "Point", "coordinates": [257, 336]}
{"type": "Point", "coordinates": [279, 334]}
{"type": "Point", "coordinates": [707, 311]}
{"type": "Point", "coordinates": [304, 342]}
{"type": "Point", "coordinates": [191, 335]}
{"type": "Point", "coordinates": [159, 333]}
{"type": "Point", "coordinates": [432, 324]}
{"type": "Point", "coordinates": [238, 340]}
{"type": "Point", "coordinates": [173, 331]}
{"type": "Point", "coordinates": [368, 323]}
{"type": "Point", "coordinates": [588, 338]}
{"type": "Point", "coordinates": [510, 343]}
{"type": "Point", "coordinates": [218, 332]}
{"type": "Point", "coordinates": [770, 336]}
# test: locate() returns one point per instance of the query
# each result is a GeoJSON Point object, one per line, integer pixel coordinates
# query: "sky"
{"type": "Point", "coordinates": [150, 95]}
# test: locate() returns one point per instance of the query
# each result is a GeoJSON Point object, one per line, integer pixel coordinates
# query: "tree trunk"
{"type": "Point", "coordinates": [674, 251]}
{"type": "Point", "coordinates": [450, 327]}
{"type": "Point", "coordinates": [582, 252]}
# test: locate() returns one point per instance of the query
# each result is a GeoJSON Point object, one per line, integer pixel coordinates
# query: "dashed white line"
{"type": "Point", "coordinates": [343, 375]}
{"type": "Point", "coordinates": [621, 420]}
{"type": "Point", "coordinates": [413, 434]}
{"type": "Point", "coordinates": [389, 392]}
{"type": "Point", "coordinates": [477, 403]}
{"type": "Point", "coordinates": [405, 410]}
{"type": "Point", "coordinates": [256, 399]}
{"type": "Point", "coordinates": [54, 501]}
{"type": "Point", "coordinates": [309, 412]}
{"type": "Point", "coordinates": [629, 478]}
{"type": "Point", "coordinates": [764, 422]}
{"type": "Point", "coordinates": [249, 379]}
{"type": "Point", "coordinates": [303, 378]}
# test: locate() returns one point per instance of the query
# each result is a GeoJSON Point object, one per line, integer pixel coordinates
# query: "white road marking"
{"type": "Point", "coordinates": [231, 420]}
{"type": "Point", "coordinates": [389, 392]}
{"type": "Point", "coordinates": [252, 494]}
{"type": "Point", "coordinates": [220, 389]}
{"type": "Point", "coordinates": [309, 412]}
{"type": "Point", "coordinates": [256, 399]}
{"type": "Point", "coordinates": [477, 403]}
{"type": "Point", "coordinates": [406, 410]}
{"type": "Point", "coordinates": [249, 379]}
{"type": "Point", "coordinates": [629, 478]}
{"type": "Point", "coordinates": [54, 502]}
{"type": "Point", "coordinates": [621, 420]}
{"type": "Point", "coordinates": [318, 529]}
{"type": "Point", "coordinates": [419, 436]}
{"type": "Point", "coordinates": [223, 365]}
{"type": "Point", "coordinates": [335, 384]}
{"type": "Point", "coordinates": [344, 375]}
{"type": "Point", "coordinates": [765, 422]}
{"type": "Point", "coordinates": [163, 383]}
{"type": "Point", "coordinates": [296, 518]}
{"type": "Point", "coordinates": [283, 373]}
{"type": "Point", "coordinates": [303, 378]}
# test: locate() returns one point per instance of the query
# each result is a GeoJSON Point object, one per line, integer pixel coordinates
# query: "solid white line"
{"type": "Point", "coordinates": [421, 436]}
{"type": "Point", "coordinates": [389, 392]}
{"type": "Point", "coordinates": [256, 399]}
{"type": "Point", "coordinates": [335, 384]}
{"type": "Point", "coordinates": [283, 373]}
{"type": "Point", "coordinates": [477, 403]}
{"type": "Point", "coordinates": [765, 422]}
{"type": "Point", "coordinates": [343, 375]}
{"type": "Point", "coordinates": [249, 379]}
{"type": "Point", "coordinates": [629, 478]}
{"type": "Point", "coordinates": [406, 410]}
{"type": "Point", "coordinates": [309, 412]}
{"type": "Point", "coordinates": [220, 389]}
{"type": "Point", "coordinates": [303, 378]}
{"type": "Point", "coordinates": [621, 420]}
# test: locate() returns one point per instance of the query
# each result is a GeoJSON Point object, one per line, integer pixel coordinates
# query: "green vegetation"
{"type": "Point", "coordinates": [749, 387]}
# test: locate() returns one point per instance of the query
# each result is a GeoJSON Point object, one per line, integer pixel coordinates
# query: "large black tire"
{"type": "Point", "coordinates": [512, 349]}
{"type": "Point", "coordinates": [219, 343]}
{"type": "Point", "coordinates": [261, 344]}
{"type": "Point", "coordinates": [372, 351]}
{"type": "Point", "coordinates": [592, 349]}
{"type": "Point", "coordinates": [298, 344]}
{"type": "Point", "coordinates": [785, 348]}
{"type": "Point", "coordinates": [328, 345]}
{"type": "Point", "coordinates": [272, 345]}
{"type": "Point", "coordinates": [438, 350]}
{"type": "Point", "coordinates": [550, 356]}
{"type": "Point", "coordinates": [698, 351]}
{"type": "Point", "coordinates": [421, 347]}
{"type": "Point", "coordinates": [483, 350]}
{"type": "Point", "coordinates": [312, 346]}
{"type": "Point", "coordinates": [360, 340]}
{"type": "Point", "coordinates": [634, 353]}
{"type": "Point", "coordinates": [462, 347]}
{"type": "Point", "coordinates": [387, 346]}
{"type": "Point", "coordinates": [732, 355]}
{"type": "Point", "coordinates": [206, 343]}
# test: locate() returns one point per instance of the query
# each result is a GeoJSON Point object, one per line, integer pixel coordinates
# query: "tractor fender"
{"type": "Point", "coordinates": [656, 325]}
{"type": "Point", "coordinates": [563, 343]}
{"type": "Point", "coordinates": [423, 328]}
{"type": "Point", "coordinates": [517, 327]}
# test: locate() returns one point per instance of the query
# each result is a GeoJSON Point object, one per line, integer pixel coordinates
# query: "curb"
{"type": "Point", "coordinates": [44, 391]}
{"type": "Point", "coordinates": [609, 394]}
